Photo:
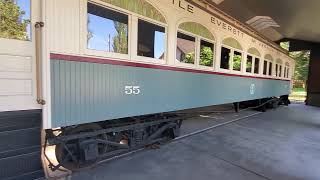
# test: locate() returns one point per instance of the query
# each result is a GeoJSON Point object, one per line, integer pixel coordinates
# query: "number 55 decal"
{"type": "Point", "coordinates": [129, 90]}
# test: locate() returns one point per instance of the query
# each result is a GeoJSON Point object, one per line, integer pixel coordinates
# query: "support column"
{"type": "Point", "coordinates": [313, 84]}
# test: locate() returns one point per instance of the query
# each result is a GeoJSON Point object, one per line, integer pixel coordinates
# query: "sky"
{"type": "Point", "coordinates": [26, 7]}
{"type": "Point", "coordinates": [102, 27]}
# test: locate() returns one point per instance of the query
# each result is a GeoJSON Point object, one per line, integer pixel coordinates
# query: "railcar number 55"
{"type": "Point", "coordinates": [132, 90]}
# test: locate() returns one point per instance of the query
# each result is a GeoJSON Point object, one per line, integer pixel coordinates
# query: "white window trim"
{"type": "Point", "coordinates": [252, 65]}
{"type": "Point", "coordinates": [134, 52]}
{"type": "Point", "coordinates": [214, 54]}
{"type": "Point", "coordinates": [132, 36]}
{"type": "Point", "coordinates": [93, 52]}
{"type": "Point", "coordinates": [268, 68]}
{"type": "Point", "coordinates": [230, 70]}
{"type": "Point", "coordinates": [230, 59]}
{"type": "Point", "coordinates": [182, 64]}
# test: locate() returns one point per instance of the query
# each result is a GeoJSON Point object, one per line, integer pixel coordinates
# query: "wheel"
{"type": "Point", "coordinates": [78, 162]}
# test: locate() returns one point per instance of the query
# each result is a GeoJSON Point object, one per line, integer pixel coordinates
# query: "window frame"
{"type": "Point", "coordinates": [132, 35]}
{"type": "Point", "coordinates": [214, 53]}
{"type": "Point", "coordinates": [254, 57]}
{"type": "Point", "coordinates": [231, 57]}
{"type": "Point", "coordinates": [268, 68]}
{"type": "Point", "coordinates": [135, 55]}
{"type": "Point", "coordinates": [287, 72]}
{"type": "Point", "coordinates": [94, 52]}
{"type": "Point", "coordinates": [279, 69]}
{"type": "Point", "coordinates": [196, 49]}
{"type": "Point", "coordinates": [230, 70]}
{"type": "Point", "coordinates": [252, 64]}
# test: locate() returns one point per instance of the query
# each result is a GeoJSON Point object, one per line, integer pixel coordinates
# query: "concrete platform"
{"type": "Point", "coordinates": [279, 144]}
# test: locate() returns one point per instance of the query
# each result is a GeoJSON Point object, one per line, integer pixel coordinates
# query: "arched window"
{"type": "Point", "coordinates": [231, 54]}
{"type": "Point", "coordinates": [190, 37]}
{"type": "Point", "coordinates": [267, 65]}
{"type": "Point", "coordinates": [279, 67]}
{"type": "Point", "coordinates": [253, 61]}
{"type": "Point", "coordinates": [108, 29]}
{"type": "Point", "coordinates": [140, 7]}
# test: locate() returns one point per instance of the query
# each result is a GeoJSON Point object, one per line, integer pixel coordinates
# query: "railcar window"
{"type": "Point", "coordinates": [285, 72]}
{"type": "Point", "coordinates": [15, 19]}
{"type": "Point", "coordinates": [270, 68]}
{"type": "Point", "coordinates": [225, 58]}
{"type": "Point", "coordinates": [206, 53]}
{"type": "Point", "coordinates": [107, 30]}
{"type": "Point", "coordinates": [280, 70]}
{"type": "Point", "coordinates": [256, 65]}
{"type": "Point", "coordinates": [265, 67]}
{"type": "Point", "coordinates": [185, 48]}
{"type": "Point", "coordinates": [151, 40]}
{"type": "Point", "coordinates": [237, 57]}
{"type": "Point", "coordinates": [249, 64]}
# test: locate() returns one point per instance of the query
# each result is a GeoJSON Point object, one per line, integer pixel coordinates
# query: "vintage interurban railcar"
{"type": "Point", "coordinates": [106, 72]}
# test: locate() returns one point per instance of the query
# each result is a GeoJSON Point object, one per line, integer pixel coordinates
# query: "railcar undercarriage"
{"type": "Point", "coordinates": [82, 146]}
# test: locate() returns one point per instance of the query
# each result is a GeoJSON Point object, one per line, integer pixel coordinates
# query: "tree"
{"type": "Point", "coordinates": [11, 25]}
{"type": "Point", "coordinates": [120, 41]}
{"type": "Point", "coordinates": [90, 32]}
{"type": "Point", "coordinates": [189, 58]}
{"type": "Point", "coordinates": [206, 56]}
{"type": "Point", "coordinates": [237, 62]}
{"type": "Point", "coordinates": [302, 64]}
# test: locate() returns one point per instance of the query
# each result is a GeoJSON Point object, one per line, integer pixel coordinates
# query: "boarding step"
{"type": "Point", "coordinates": [20, 145]}
{"type": "Point", "coordinates": [19, 120]}
{"type": "Point", "coordinates": [21, 166]}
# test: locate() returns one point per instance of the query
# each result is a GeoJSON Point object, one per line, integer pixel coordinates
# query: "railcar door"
{"type": "Point", "coordinates": [17, 54]}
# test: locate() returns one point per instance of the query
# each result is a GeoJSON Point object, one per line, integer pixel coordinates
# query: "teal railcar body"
{"type": "Point", "coordinates": [84, 92]}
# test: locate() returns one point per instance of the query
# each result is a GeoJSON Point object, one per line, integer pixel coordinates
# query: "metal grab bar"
{"type": "Point", "coordinates": [38, 26]}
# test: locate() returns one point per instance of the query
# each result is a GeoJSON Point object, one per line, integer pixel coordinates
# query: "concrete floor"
{"type": "Point", "coordinates": [279, 144]}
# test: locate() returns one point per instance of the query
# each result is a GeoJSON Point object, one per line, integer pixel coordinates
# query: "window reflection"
{"type": "Point", "coordinates": [151, 40]}
{"type": "Point", "coordinates": [237, 57]}
{"type": "Point", "coordinates": [15, 19]}
{"type": "Point", "coordinates": [280, 70]}
{"type": "Point", "coordinates": [270, 68]}
{"type": "Point", "coordinates": [225, 58]}
{"type": "Point", "coordinates": [256, 65]}
{"type": "Point", "coordinates": [107, 30]}
{"type": "Point", "coordinates": [265, 67]}
{"type": "Point", "coordinates": [185, 48]}
{"type": "Point", "coordinates": [249, 64]}
{"type": "Point", "coordinates": [206, 53]}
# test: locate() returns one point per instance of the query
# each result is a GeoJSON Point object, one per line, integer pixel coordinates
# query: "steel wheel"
{"type": "Point", "coordinates": [69, 154]}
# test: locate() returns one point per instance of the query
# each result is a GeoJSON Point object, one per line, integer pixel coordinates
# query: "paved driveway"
{"type": "Point", "coordinates": [279, 144]}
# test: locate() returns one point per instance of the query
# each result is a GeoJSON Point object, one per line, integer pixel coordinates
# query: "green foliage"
{"type": "Point", "coordinates": [302, 64]}
{"type": "Point", "coordinates": [237, 62]}
{"type": "Point", "coordinates": [285, 45]}
{"type": "Point", "coordinates": [11, 25]}
{"type": "Point", "coordinates": [249, 66]}
{"type": "Point", "coordinates": [206, 56]}
{"type": "Point", "coordinates": [120, 42]}
{"type": "Point", "coordinates": [189, 58]}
